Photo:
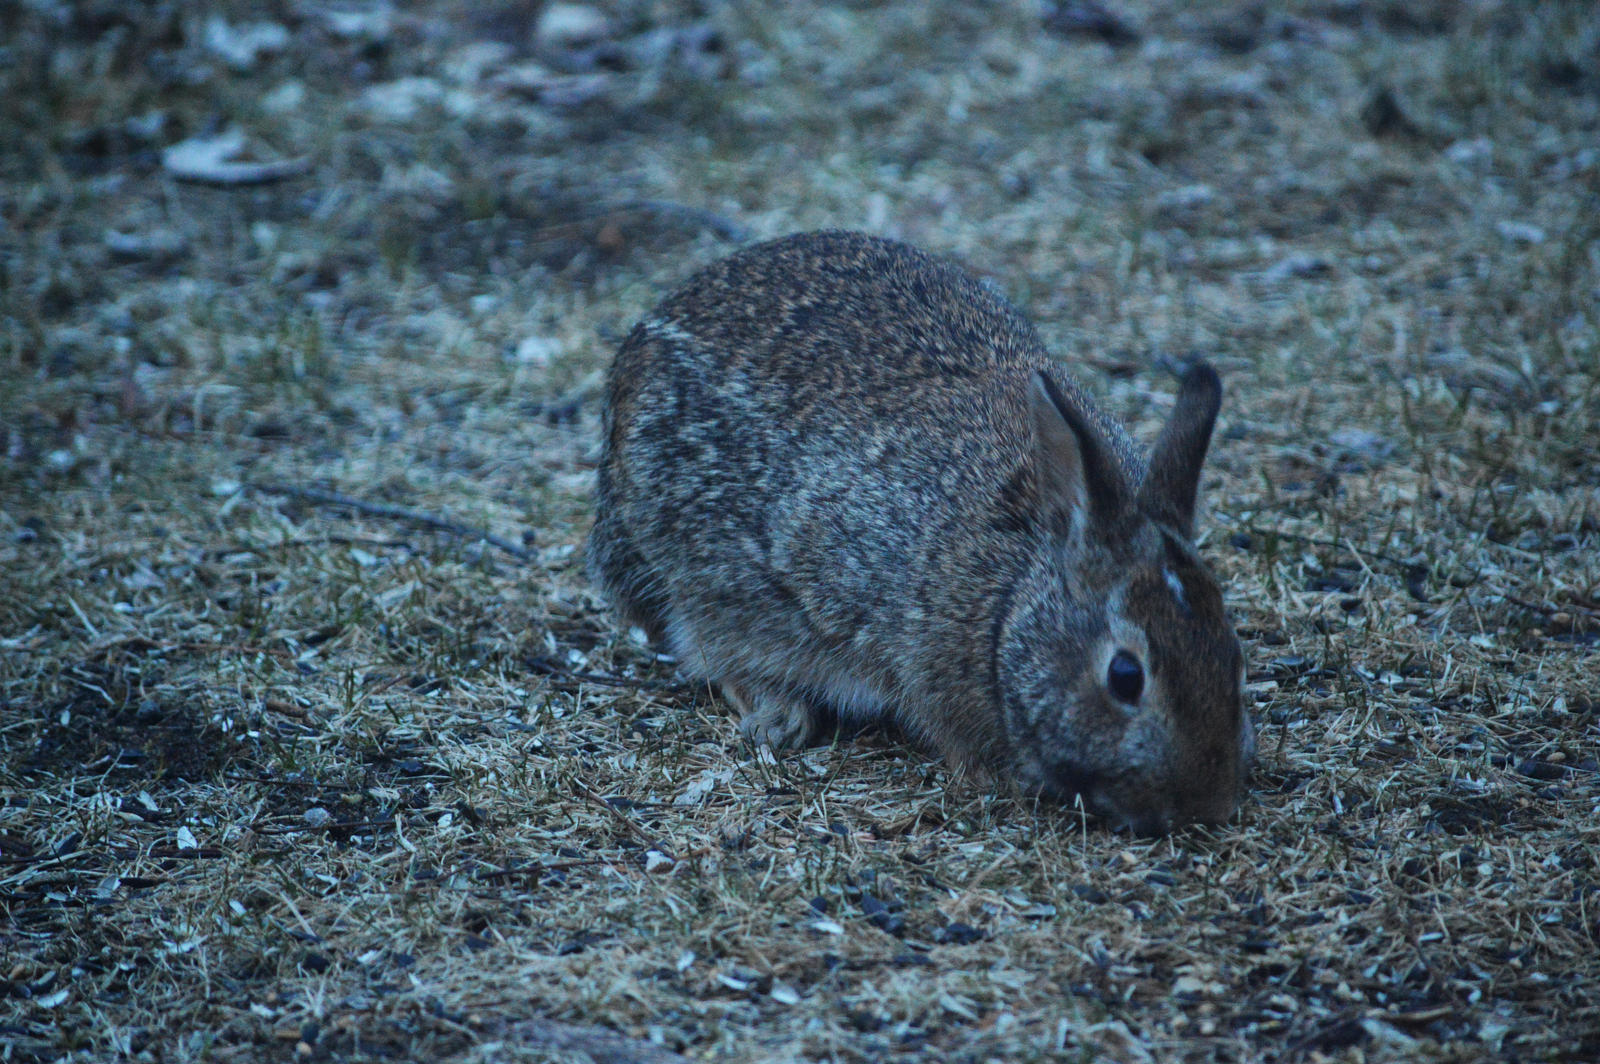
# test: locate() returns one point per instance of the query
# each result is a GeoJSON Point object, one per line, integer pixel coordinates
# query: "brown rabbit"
{"type": "Point", "coordinates": [840, 476]}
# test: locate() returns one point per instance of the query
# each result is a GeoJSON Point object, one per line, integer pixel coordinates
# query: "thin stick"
{"type": "Point", "coordinates": [551, 668]}
{"type": "Point", "coordinates": [722, 226]}
{"type": "Point", "coordinates": [330, 826]}
{"type": "Point", "coordinates": [596, 1043]}
{"type": "Point", "coordinates": [1548, 609]}
{"type": "Point", "coordinates": [1314, 541]}
{"type": "Point", "coordinates": [559, 866]}
{"type": "Point", "coordinates": [623, 819]}
{"type": "Point", "coordinates": [397, 513]}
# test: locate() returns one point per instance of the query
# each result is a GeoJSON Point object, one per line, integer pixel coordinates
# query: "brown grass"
{"type": "Point", "coordinates": [288, 778]}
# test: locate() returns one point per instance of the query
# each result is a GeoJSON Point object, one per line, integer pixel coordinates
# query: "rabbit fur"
{"type": "Point", "coordinates": [841, 477]}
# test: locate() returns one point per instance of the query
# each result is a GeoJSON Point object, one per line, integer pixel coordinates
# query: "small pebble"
{"type": "Point", "coordinates": [242, 46]}
{"type": "Point", "coordinates": [571, 26]}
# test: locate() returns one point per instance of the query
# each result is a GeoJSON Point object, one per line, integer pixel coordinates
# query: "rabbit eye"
{"type": "Point", "coordinates": [1125, 677]}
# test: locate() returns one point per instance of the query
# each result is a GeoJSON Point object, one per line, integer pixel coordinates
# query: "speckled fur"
{"type": "Point", "coordinates": [832, 479]}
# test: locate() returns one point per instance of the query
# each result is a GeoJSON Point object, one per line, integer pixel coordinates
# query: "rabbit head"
{"type": "Point", "coordinates": [1118, 673]}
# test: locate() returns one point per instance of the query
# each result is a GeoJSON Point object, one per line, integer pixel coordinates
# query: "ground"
{"type": "Point", "coordinates": [315, 743]}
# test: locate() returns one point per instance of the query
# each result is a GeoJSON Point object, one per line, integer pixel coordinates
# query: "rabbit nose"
{"type": "Point", "coordinates": [1067, 780]}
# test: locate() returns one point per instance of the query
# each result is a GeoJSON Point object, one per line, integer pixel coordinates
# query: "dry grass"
{"type": "Point", "coordinates": [283, 778]}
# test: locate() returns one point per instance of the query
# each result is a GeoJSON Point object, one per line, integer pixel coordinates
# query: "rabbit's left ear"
{"type": "Point", "coordinates": [1080, 483]}
{"type": "Point", "coordinates": [1173, 481]}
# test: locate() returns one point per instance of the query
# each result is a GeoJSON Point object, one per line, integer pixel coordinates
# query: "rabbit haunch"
{"type": "Point", "coordinates": [841, 477]}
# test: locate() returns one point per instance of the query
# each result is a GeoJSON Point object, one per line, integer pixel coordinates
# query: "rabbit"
{"type": "Point", "coordinates": [840, 479]}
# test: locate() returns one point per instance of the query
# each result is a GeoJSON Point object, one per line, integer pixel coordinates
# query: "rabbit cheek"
{"type": "Point", "coordinates": [1066, 742]}
{"type": "Point", "coordinates": [1062, 732]}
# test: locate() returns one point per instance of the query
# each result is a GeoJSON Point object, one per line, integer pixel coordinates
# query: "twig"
{"type": "Point", "coordinates": [37, 861]}
{"type": "Point", "coordinates": [1313, 541]}
{"type": "Point", "coordinates": [551, 668]}
{"type": "Point", "coordinates": [136, 643]}
{"type": "Point", "coordinates": [233, 777]}
{"type": "Point", "coordinates": [566, 406]}
{"type": "Point", "coordinates": [330, 827]}
{"type": "Point", "coordinates": [34, 862]}
{"type": "Point", "coordinates": [219, 553]}
{"type": "Point", "coordinates": [1547, 609]}
{"type": "Point", "coordinates": [722, 226]}
{"type": "Point", "coordinates": [397, 513]}
{"type": "Point", "coordinates": [1411, 567]}
{"type": "Point", "coordinates": [594, 1043]}
{"type": "Point", "coordinates": [597, 1043]}
{"type": "Point", "coordinates": [626, 821]}
{"type": "Point", "coordinates": [536, 868]}
{"type": "Point", "coordinates": [171, 853]}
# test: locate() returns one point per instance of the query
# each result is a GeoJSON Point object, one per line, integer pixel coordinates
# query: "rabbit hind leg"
{"type": "Point", "coordinates": [627, 580]}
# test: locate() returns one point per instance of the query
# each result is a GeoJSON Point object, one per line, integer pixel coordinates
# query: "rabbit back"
{"type": "Point", "coordinates": [793, 440]}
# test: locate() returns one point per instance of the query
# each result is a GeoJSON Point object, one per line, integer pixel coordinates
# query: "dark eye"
{"type": "Point", "coordinates": [1125, 677]}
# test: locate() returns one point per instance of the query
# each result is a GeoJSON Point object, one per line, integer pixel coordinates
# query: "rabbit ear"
{"type": "Point", "coordinates": [1078, 476]}
{"type": "Point", "coordinates": [1173, 480]}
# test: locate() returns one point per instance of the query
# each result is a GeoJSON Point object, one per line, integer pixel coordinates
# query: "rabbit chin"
{"type": "Point", "coordinates": [1126, 798]}
{"type": "Point", "coordinates": [1131, 782]}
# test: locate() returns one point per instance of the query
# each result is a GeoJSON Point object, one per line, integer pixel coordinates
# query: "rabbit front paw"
{"type": "Point", "coordinates": [768, 717]}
